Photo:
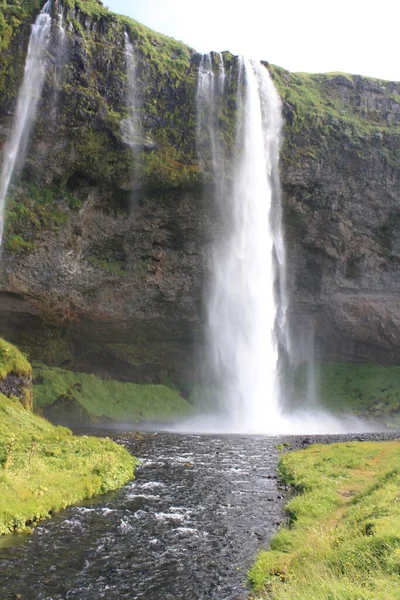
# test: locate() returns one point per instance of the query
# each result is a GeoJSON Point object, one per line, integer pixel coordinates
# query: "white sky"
{"type": "Point", "coordinates": [355, 36]}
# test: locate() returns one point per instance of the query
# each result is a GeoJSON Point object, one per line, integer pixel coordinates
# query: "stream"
{"type": "Point", "coordinates": [187, 528]}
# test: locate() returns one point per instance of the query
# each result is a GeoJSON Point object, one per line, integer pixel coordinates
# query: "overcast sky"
{"type": "Point", "coordinates": [355, 36]}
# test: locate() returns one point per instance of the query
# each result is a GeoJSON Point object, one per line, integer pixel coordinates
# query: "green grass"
{"type": "Point", "coordinates": [344, 537]}
{"type": "Point", "coordinates": [45, 468]}
{"type": "Point", "coordinates": [108, 398]}
{"type": "Point", "coordinates": [317, 96]}
{"type": "Point", "coordinates": [364, 389]}
{"type": "Point", "coordinates": [109, 266]}
{"type": "Point", "coordinates": [13, 361]}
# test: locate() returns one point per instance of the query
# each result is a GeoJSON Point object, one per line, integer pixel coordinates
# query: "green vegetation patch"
{"type": "Point", "coordinates": [343, 542]}
{"type": "Point", "coordinates": [45, 468]}
{"type": "Point", "coordinates": [12, 14]}
{"type": "Point", "coordinates": [13, 361]}
{"type": "Point", "coordinates": [364, 389]}
{"type": "Point", "coordinates": [106, 398]}
{"type": "Point", "coordinates": [31, 210]}
{"type": "Point", "coordinates": [318, 96]}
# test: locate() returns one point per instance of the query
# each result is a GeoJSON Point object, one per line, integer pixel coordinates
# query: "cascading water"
{"type": "Point", "coordinates": [61, 29]}
{"type": "Point", "coordinates": [28, 98]}
{"type": "Point", "coordinates": [247, 302]}
{"type": "Point", "coordinates": [129, 125]}
{"type": "Point", "coordinates": [242, 306]}
{"type": "Point", "coordinates": [210, 88]}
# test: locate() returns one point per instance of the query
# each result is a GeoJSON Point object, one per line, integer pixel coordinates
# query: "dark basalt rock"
{"type": "Point", "coordinates": [17, 386]}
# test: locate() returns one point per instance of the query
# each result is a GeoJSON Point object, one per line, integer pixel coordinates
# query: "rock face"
{"type": "Point", "coordinates": [341, 180]}
{"type": "Point", "coordinates": [107, 246]}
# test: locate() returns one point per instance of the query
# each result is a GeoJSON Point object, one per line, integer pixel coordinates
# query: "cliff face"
{"type": "Point", "coordinates": [108, 238]}
{"type": "Point", "coordinates": [341, 180]}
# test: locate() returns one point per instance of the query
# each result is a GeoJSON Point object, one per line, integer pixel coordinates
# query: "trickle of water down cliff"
{"type": "Point", "coordinates": [27, 103]}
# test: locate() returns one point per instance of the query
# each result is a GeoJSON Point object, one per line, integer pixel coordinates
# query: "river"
{"type": "Point", "coordinates": [186, 528]}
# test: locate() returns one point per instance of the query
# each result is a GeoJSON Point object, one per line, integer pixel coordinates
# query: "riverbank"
{"type": "Point", "coordinates": [344, 537]}
{"type": "Point", "coordinates": [44, 468]}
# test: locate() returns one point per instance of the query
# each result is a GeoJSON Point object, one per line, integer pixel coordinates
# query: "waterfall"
{"type": "Point", "coordinates": [246, 321]}
{"type": "Point", "coordinates": [27, 102]}
{"type": "Point", "coordinates": [61, 29]}
{"type": "Point", "coordinates": [209, 94]}
{"type": "Point", "coordinates": [129, 125]}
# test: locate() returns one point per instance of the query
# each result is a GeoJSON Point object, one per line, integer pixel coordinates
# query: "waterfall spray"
{"type": "Point", "coordinates": [27, 102]}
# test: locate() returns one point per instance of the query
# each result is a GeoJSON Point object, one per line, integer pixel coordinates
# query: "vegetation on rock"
{"type": "Point", "coordinates": [364, 389]}
{"type": "Point", "coordinates": [15, 374]}
{"type": "Point", "coordinates": [343, 542]}
{"type": "Point", "coordinates": [67, 396]}
{"type": "Point", "coordinates": [13, 361]}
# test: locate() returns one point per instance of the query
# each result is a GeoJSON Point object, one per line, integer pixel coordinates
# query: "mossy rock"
{"type": "Point", "coordinates": [71, 397]}
{"type": "Point", "coordinates": [15, 374]}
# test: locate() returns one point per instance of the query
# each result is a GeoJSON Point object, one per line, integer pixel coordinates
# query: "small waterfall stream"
{"type": "Point", "coordinates": [28, 99]}
{"type": "Point", "coordinates": [129, 125]}
{"type": "Point", "coordinates": [245, 320]}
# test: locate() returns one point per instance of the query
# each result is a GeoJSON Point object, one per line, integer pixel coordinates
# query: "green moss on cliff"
{"type": "Point", "coordinates": [106, 399]}
{"type": "Point", "coordinates": [12, 14]}
{"type": "Point", "coordinates": [13, 361]}
{"type": "Point", "coordinates": [363, 389]}
{"type": "Point", "coordinates": [330, 110]}
{"type": "Point", "coordinates": [318, 97]}
{"type": "Point", "coordinates": [32, 209]}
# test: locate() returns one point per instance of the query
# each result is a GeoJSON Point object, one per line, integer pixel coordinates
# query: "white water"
{"type": "Point", "coordinates": [242, 307]}
{"type": "Point", "coordinates": [61, 29]}
{"type": "Point", "coordinates": [209, 96]}
{"type": "Point", "coordinates": [129, 125]}
{"type": "Point", "coordinates": [28, 98]}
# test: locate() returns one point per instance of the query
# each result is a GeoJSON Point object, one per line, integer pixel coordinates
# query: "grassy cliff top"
{"type": "Point", "coordinates": [155, 46]}
{"type": "Point", "coordinates": [363, 104]}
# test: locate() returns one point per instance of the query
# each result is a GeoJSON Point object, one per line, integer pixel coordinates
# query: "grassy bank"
{"type": "Point", "coordinates": [65, 396]}
{"type": "Point", "coordinates": [45, 468]}
{"type": "Point", "coordinates": [344, 537]}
